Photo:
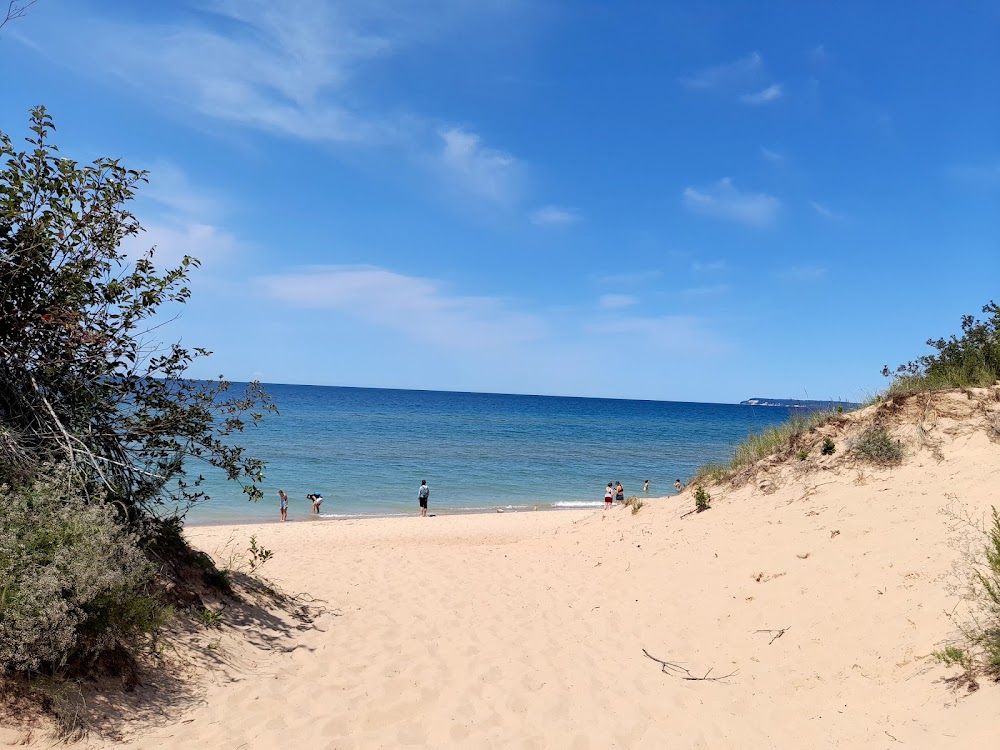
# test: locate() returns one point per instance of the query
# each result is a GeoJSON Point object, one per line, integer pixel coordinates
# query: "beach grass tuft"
{"type": "Point", "coordinates": [778, 439]}
{"type": "Point", "coordinates": [877, 446]}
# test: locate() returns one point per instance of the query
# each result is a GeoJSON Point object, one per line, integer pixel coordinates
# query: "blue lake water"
{"type": "Point", "coordinates": [366, 450]}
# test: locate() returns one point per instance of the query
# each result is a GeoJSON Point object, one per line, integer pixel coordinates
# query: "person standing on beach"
{"type": "Point", "coordinates": [645, 486]}
{"type": "Point", "coordinates": [619, 493]}
{"type": "Point", "coordinates": [608, 496]}
{"type": "Point", "coordinates": [677, 485]}
{"type": "Point", "coordinates": [283, 498]}
{"type": "Point", "coordinates": [422, 494]}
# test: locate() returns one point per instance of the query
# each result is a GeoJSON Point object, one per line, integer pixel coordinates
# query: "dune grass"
{"type": "Point", "coordinates": [758, 445]}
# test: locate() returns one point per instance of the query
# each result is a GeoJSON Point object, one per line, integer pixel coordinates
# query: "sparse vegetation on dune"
{"type": "Point", "coordinates": [976, 651]}
{"type": "Point", "coordinates": [966, 361]}
{"type": "Point", "coordinates": [779, 440]}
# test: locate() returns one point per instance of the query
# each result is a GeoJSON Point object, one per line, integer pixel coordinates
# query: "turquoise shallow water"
{"type": "Point", "coordinates": [366, 450]}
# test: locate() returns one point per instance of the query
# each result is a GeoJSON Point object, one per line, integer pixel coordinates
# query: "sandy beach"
{"type": "Point", "coordinates": [821, 588]}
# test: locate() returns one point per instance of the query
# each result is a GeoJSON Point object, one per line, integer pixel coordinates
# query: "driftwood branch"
{"type": "Point", "coordinates": [777, 633]}
{"type": "Point", "coordinates": [676, 670]}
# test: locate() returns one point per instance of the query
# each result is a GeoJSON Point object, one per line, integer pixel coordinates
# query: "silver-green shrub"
{"type": "Point", "coordinates": [73, 582]}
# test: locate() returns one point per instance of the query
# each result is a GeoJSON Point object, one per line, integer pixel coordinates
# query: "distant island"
{"type": "Point", "coordinates": [796, 403]}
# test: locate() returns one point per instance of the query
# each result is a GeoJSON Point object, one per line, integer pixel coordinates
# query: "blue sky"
{"type": "Point", "coordinates": [682, 201]}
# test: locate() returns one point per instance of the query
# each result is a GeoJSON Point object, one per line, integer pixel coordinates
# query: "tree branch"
{"type": "Point", "coordinates": [16, 9]}
{"type": "Point", "coordinates": [676, 670]}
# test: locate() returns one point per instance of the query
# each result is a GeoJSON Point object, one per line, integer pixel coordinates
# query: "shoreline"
{"type": "Point", "coordinates": [444, 513]}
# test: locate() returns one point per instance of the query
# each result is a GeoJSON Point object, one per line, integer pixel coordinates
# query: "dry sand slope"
{"type": "Point", "coordinates": [527, 630]}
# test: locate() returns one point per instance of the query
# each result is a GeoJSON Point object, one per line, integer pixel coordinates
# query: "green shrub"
{"type": "Point", "coordinates": [875, 445]}
{"type": "Point", "coordinates": [210, 618]}
{"type": "Point", "coordinates": [969, 360]}
{"type": "Point", "coordinates": [829, 448]}
{"type": "Point", "coordinates": [803, 455]}
{"type": "Point", "coordinates": [702, 500]}
{"type": "Point", "coordinates": [73, 583]}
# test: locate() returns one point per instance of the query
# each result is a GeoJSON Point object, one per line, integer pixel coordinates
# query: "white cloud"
{"type": "Point", "coordinates": [826, 212]}
{"type": "Point", "coordinates": [420, 308]}
{"type": "Point", "coordinates": [279, 68]}
{"type": "Point", "coordinates": [179, 218]}
{"type": "Point", "coordinates": [724, 201]}
{"type": "Point", "coordinates": [486, 172]}
{"type": "Point", "coordinates": [173, 240]}
{"type": "Point", "coordinates": [617, 301]}
{"type": "Point", "coordinates": [770, 94]}
{"type": "Point", "coordinates": [547, 216]}
{"type": "Point", "coordinates": [772, 156]}
{"type": "Point", "coordinates": [170, 188]}
{"type": "Point", "coordinates": [741, 72]}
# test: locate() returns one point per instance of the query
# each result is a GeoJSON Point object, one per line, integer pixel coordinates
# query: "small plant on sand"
{"type": "Point", "coordinates": [803, 455]}
{"type": "Point", "coordinates": [702, 500]}
{"type": "Point", "coordinates": [258, 555]}
{"type": "Point", "coordinates": [633, 502]}
{"type": "Point", "coordinates": [829, 448]}
{"type": "Point", "coordinates": [952, 656]}
{"type": "Point", "coordinates": [877, 446]}
{"type": "Point", "coordinates": [210, 618]}
{"type": "Point", "coordinates": [978, 651]}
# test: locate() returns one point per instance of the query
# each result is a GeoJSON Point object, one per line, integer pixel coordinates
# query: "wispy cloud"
{"type": "Point", "coordinates": [180, 218]}
{"type": "Point", "coordinates": [679, 333]}
{"type": "Point", "coordinates": [628, 278]}
{"type": "Point", "coordinates": [548, 216]}
{"type": "Point", "coordinates": [724, 201]}
{"type": "Point", "coordinates": [714, 266]}
{"type": "Point", "coordinates": [295, 70]}
{"type": "Point", "coordinates": [487, 172]}
{"type": "Point", "coordinates": [770, 94]}
{"type": "Point", "coordinates": [170, 188]}
{"type": "Point", "coordinates": [745, 79]}
{"type": "Point", "coordinates": [705, 291]}
{"type": "Point", "coordinates": [801, 274]}
{"type": "Point", "coordinates": [985, 173]}
{"type": "Point", "coordinates": [617, 301]}
{"type": "Point", "coordinates": [283, 69]}
{"type": "Point", "coordinates": [826, 212]}
{"type": "Point", "coordinates": [772, 156]}
{"type": "Point", "coordinates": [741, 72]}
{"type": "Point", "coordinates": [420, 308]}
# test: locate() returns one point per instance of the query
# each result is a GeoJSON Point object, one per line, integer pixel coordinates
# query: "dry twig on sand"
{"type": "Point", "coordinates": [777, 633]}
{"type": "Point", "coordinates": [676, 670]}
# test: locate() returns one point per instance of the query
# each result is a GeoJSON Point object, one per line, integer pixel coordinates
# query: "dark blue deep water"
{"type": "Point", "coordinates": [366, 450]}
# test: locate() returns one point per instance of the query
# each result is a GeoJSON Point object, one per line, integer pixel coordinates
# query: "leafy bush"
{"type": "Point", "coordinates": [829, 448]}
{"type": "Point", "coordinates": [969, 360]}
{"type": "Point", "coordinates": [73, 582]}
{"type": "Point", "coordinates": [875, 445]}
{"type": "Point", "coordinates": [803, 455]}
{"type": "Point", "coordinates": [702, 500]}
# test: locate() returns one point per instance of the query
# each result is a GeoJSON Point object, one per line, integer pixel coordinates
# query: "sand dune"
{"type": "Point", "coordinates": [527, 630]}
